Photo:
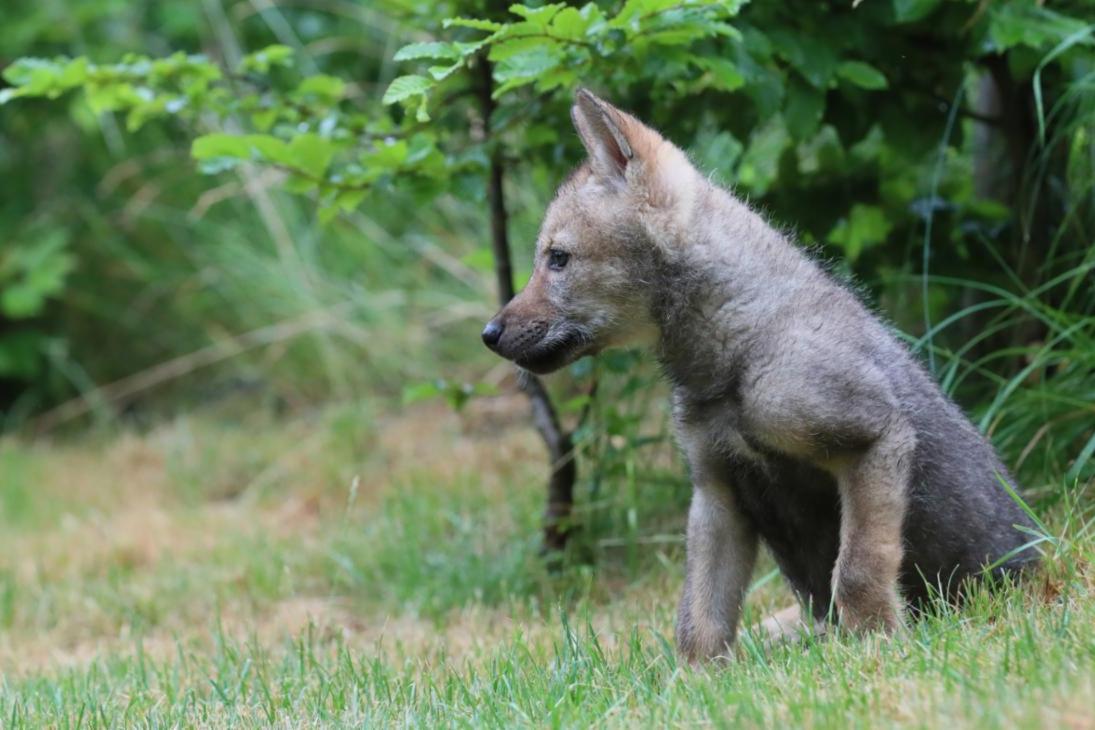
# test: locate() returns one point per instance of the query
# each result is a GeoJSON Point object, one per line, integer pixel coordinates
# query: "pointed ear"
{"type": "Point", "coordinates": [604, 130]}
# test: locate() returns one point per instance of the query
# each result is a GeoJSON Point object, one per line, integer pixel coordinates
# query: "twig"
{"type": "Point", "coordinates": [564, 472]}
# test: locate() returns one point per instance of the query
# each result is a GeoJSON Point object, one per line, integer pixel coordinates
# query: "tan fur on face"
{"type": "Point", "coordinates": [635, 190]}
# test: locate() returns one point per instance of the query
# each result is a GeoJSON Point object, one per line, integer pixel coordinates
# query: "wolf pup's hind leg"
{"type": "Point", "coordinates": [873, 499]}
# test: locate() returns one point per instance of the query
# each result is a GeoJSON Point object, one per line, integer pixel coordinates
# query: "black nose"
{"type": "Point", "coordinates": [492, 333]}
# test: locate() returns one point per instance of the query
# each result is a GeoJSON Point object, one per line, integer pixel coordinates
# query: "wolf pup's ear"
{"type": "Point", "coordinates": [604, 132]}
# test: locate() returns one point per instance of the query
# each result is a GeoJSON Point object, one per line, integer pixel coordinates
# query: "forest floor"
{"type": "Point", "coordinates": [356, 567]}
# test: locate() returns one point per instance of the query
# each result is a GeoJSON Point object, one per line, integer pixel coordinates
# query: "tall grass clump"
{"type": "Point", "coordinates": [1030, 360]}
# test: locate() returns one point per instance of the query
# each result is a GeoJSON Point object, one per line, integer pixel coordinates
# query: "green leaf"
{"type": "Point", "coordinates": [21, 300]}
{"type": "Point", "coordinates": [268, 147]}
{"type": "Point", "coordinates": [510, 47]}
{"type": "Point", "coordinates": [764, 85]}
{"type": "Point", "coordinates": [572, 23]}
{"type": "Point", "coordinates": [804, 109]}
{"type": "Point", "coordinates": [1021, 24]}
{"type": "Point", "coordinates": [208, 146]}
{"type": "Point", "coordinates": [862, 75]}
{"type": "Point", "coordinates": [468, 49]}
{"type": "Point", "coordinates": [812, 56]}
{"type": "Point", "coordinates": [678, 34]}
{"type": "Point", "coordinates": [865, 226]}
{"type": "Point", "coordinates": [457, 394]}
{"type": "Point", "coordinates": [348, 201]}
{"type": "Point", "coordinates": [528, 64]}
{"type": "Point", "coordinates": [388, 155]}
{"type": "Point", "coordinates": [310, 153]}
{"type": "Point", "coordinates": [41, 77]}
{"type": "Point", "coordinates": [113, 97]}
{"type": "Point", "coordinates": [725, 75]}
{"type": "Point", "coordinates": [141, 112]}
{"type": "Point", "coordinates": [31, 273]}
{"type": "Point", "coordinates": [473, 23]}
{"type": "Point", "coordinates": [261, 61]}
{"type": "Point", "coordinates": [715, 153]}
{"type": "Point", "coordinates": [432, 49]}
{"type": "Point", "coordinates": [634, 11]}
{"type": "Point", "coordinates": [440, 73]}
{"type": "Point", "coordinates": [575, 404]}
{"type": "Point", "coordinates": [406, 87]}
{"type": "Point", "coordinates": [423, 391]}
{"type": "Point", "coordinates": [263, 147]}
{"type": "Point", "coordinates": [910, 11]}
{"type": "Point", "coordinates": [760, 164]}
{"type": "Point", "coordinates": [264, 119]}
{"type": "Point", "coordinates": [558, 77]}
{"type": "Point", "coordinates": [537, 16]}
{"type": "Point", "coordinates": [327, 213]}
{"type": "Point", "coordinates": [823, 152]}
{"type": "Point", "coordinates": [328, 88]}
{"type": "Point", "coordinates": [300, 184]}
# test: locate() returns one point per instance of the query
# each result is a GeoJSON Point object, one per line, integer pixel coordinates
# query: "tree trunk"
{"type": "Point", "coordinates": [560, 496]}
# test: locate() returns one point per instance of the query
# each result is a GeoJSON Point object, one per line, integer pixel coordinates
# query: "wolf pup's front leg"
{"type": "Point", "coordinates": [873, 497]}
{"type": "Point", "coordinates": [722, 549]}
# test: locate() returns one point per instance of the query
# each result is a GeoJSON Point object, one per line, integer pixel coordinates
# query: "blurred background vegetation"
{"type": "Point", "coordinates": [332, 241]}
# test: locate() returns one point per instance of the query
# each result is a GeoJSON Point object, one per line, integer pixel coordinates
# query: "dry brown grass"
{"type": "Point", "coordinates": [182, 496]}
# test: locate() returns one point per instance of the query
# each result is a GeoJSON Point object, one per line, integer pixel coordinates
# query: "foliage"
{"type": "Point", "coordinates": [30, 273]}
{"type": "Point", "coordinates": [903, 137]}
{"type": "Point", "coordinates": [338, 153]}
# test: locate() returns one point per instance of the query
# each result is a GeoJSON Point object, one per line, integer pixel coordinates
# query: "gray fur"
{"type": "Point", "coordinates": [805, 422]}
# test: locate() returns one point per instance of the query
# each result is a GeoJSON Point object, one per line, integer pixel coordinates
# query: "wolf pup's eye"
{"type": "Point", "coordinates": [557, 259]}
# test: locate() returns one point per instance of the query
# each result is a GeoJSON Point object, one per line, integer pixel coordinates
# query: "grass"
{"type": "Point", "coordinates": [360, 567]}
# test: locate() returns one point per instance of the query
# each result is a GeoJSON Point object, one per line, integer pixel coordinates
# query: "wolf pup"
{"type": "Point", "coordinates": [804, 421]}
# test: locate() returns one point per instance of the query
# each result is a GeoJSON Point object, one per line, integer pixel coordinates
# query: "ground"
{"type": "Point", "coordinates": [370, 565]}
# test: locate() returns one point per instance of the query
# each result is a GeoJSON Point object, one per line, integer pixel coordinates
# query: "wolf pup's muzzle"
{"type": "Point", "coordinates": [534, 345]}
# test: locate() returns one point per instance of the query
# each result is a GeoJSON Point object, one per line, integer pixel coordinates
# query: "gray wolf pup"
{"type": "Point", "coordinates": [804, 421]}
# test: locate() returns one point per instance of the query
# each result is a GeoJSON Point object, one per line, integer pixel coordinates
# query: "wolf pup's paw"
{"type": "Point", "coordinates": [864, 604]}
{"type": "Point", "coordinates": [696, 644]}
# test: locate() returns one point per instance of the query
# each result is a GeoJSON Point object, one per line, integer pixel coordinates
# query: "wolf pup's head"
{"type": "Point", "coordinates": [600, 245]}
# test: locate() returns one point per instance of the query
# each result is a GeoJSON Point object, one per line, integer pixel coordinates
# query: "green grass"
{"type": "Point", "coordinates": [333, 571]}
{"type": "Point", "coordinates": [971, 671]}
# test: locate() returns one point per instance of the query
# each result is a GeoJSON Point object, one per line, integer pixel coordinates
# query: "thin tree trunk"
{"type": "Point", "coordinates": [564, 473]}
{"type": "Point", "coordinates": [1030, 239]}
